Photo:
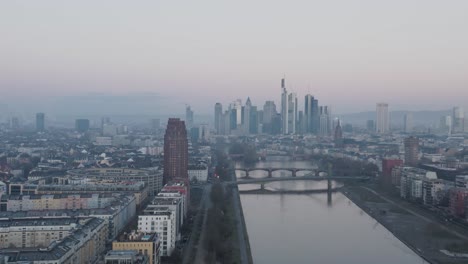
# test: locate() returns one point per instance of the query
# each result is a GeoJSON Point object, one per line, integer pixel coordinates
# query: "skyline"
{"type": "Point", "coordinates": [217, 52]}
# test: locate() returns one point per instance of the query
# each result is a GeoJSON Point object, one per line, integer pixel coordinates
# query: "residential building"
{"type": "Point", "coordinates": [411, 151]}
{"type": "Point", "coordinates": [85, 244]}
{"type": "Point", "coordinates": [198, 172]}
{"type": "Point", "coordinates": [125, 257]}
{"type": "Point", "coordinates": [147, 244]}
{"type": "Point", "coordinates": [388, 166]}
{"type": "Point", "coordinates": [162, 221]}
{"type": "Point", "coordinates": [152, 177]}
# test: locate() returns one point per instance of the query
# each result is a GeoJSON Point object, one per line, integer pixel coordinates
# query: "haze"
{"type": "Point", "coordinates": [350, 54]}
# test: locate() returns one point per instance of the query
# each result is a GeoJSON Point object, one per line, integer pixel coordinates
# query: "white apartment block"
{"type": "Point", "coordinates": [162, 221]}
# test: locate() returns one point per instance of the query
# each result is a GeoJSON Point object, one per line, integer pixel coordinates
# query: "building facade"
{"type": "Point", "coordinates": [382, 125]}
{"type": "Point", "coordinates": [175, 151]}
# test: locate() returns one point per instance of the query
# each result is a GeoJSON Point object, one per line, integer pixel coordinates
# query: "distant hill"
{"type": "Point", "coordinates": [396, 117]}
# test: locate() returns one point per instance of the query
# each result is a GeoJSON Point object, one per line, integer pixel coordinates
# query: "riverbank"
{"type": "Point", "coordinates": [419, 230]}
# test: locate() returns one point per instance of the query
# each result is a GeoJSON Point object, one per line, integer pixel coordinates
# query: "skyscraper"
{"type": "Point", "coordinates": [458, 119]}
{"type": "Point", "coordinates": [446, 124]}
{"type": "Point", "coordinates": [269, 115]}
{"type": "Point", "coordinates": [189, 116]}
{"type": "Point", "coordinates": [338, 135]}
{"type": "Point", "coordinates": [253, 119]}
{"type": "Point", "coordinates": [325, 121]}
{"type": "Point", "coordinates": [40, 122]}
{"type": "Point", "coordinates": [175, 151]}
{"type": "Point", "coordinates": [218, 117]}
{"type": "Point", "coordinates": [292, 113]}
{"type": "Point", "coordinates": [284, 108]}
{"type": "Point", "coordinates": [155, 124]}
{"type": "Point", "coordinates": [382, 121]}
{"type": "Point", "coordinates": [308, 113]}
{"type": "Point", "coordinates": [311, 114]}
{"type": "Point", "coordinates": [411, 151]}
{"type": "Point", "coordinates": [246, 116]}
{"type": "Point", "coordinates": [408, 123]}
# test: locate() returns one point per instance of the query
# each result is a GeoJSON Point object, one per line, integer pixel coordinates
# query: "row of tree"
{"type": "Point", "coordinates": [219, 240]}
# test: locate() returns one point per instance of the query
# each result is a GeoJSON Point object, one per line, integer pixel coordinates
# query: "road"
{"type": "Point", "coordinates": [200, 256]}
{"type": "Point", "coordinates": [204, 205]}
{"type": "Point", "coordinates": [419, 215]}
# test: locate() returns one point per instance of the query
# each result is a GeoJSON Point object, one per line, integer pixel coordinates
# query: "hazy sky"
{"type": "Point", "coordinates": [350, 54]}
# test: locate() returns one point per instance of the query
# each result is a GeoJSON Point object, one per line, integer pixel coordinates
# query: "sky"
{"type": "Point", "coordinates": [350, 54]}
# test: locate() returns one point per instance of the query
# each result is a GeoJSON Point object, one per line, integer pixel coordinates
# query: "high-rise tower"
{"type": "Point", "coordinates": [411, 151]}
{"type": "Point", "coordinates": [284, 108]}
{"type": "Point", "coordinates": [40, 122]}
{"type": "Point", "coordinates": [408, 123]}
{"type": "Point", "coordinates": [218, 118]}
{"type": "Point", "coordinates": [458, 120]}
{"type": "Point", "coordinates": [382, 125]}
{"type": "Point", "coordinates": [175, 151]}
{"type": "Point", "coordinates": [189, 116]}
{"type": "Point", "coordinates": [292, 113]}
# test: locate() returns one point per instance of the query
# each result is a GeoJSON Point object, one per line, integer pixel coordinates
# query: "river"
{"type": "Point", "coordinates": [311, 228]}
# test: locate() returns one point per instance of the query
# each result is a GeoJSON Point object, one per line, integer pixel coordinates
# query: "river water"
{"type": "Point", "coordinates": [314, 228]}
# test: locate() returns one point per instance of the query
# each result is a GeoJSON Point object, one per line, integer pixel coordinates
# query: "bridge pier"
{"type": "Point", "coordinates": [270, 173]}
{"type": "Point", "coordinates": [294, 173]}
{"type": "Point", "coordinates": [262, 186]}
{"type": "Point", "coordinates": [247, 174]}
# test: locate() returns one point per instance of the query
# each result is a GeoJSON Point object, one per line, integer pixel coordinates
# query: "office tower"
{"type": "Point", "coordinates": [253, 120]}
{"type": "Point", "coordinates": [408, 123]}
{"type": "Point", "coordinates": [446, 124]}
{"type": "Point", "coordinates": [259, 124]}
{"type": "Point", "coordinates": [233, 119]}
{"type": "Point", "coordinates": [218, 117]}
{"type": "Point", "coordinates": [155, 124]}
{"type": "Point", "coordinates": [237, 106]}
{"type": "Point", "coordinates": [458, 120]}
{"type": "Point", "coordinates": [308, 119]}
{"type": "Point", "coordinates": [269, 114]}
{"type": "Point", "coordinates": [82, 125]}
{"type": "Point", "coordinates": [382, 125]}
{"type": "Point", "coordinates": [189, 116]}
{"type": "Point", "coordinates": [330, 121]}
{"type": "Point", "coordinates": [292, 113]}
{"type": "Point", "coordinates": [284, 108]}
{"type": "Point", "coordinates": [370, 125]}
{"type": "Point", "coordinates": [175, 151]}
{"type": "Point", "coordinates": [338, 137]}
{"type": "Point", "coordinates": [246, 116]}
{"type": "Point", "coordinates": [300, 126]}
{"type": "Point", "coordinates": [324, 128]}
{"type": "Point", "coordinates": [311, 114]}
{"type": "Point", "coordinates": [40, 122]}
{"type": "Point", "coordinates": [315, 116]}
{"type": "Point", "coordinates": [226, 122]}
{"type": "Point", "coordinates": [411, 151]}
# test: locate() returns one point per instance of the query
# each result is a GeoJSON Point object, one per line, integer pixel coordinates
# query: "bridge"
{"type": "Point", "coordinates": [270, 171]}
{"type": "Point", "coordinates": [262, 181]}
{"type": "Point", "coordinates": [310, 178]}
